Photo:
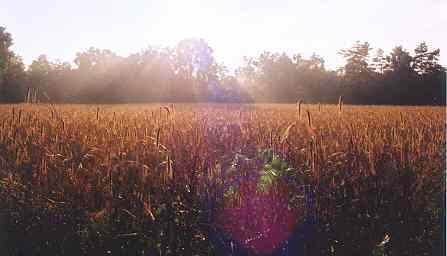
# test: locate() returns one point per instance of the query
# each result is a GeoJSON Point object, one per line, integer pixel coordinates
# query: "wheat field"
{"type": "Point", "coordinates": [167, 179]}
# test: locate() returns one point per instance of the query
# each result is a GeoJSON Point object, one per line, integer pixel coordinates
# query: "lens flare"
{"type": "Point", "coordinates": [257, 214]}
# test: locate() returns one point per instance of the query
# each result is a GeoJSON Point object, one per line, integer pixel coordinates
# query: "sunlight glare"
{"type": "Point", "coordinates": [187, 19]}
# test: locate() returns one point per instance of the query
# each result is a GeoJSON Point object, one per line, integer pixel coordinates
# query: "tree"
{"type": "Point", "coordinates": [189, 72]}
{"type": "Point", "coordinates": [400, 62]}
{"type": "Point", "coordinates": [378, 62]}
{"type": "Point", "coordinates": [12, 70]}
{"type": "Point", "coordinates": [356, 68]}
{"type": "Point", "coordinates": [97, 74]}
{"type": "Point", "coordinates": [247, 76]}
{"type": "Point", "coordinates": [39, 70]}
{"type": "Point", "coordinates": [5, 53]}
{"type": "Point", "coordinates": [194, 59]}
{"type": "Point", "coordinates": [233, 91]}
{"type": "Point", "coordinates": [425, 61]}
{"type": "Point", "coordinates": [269, 77]}
{"type": "Point", "coordinates": [54, 80]}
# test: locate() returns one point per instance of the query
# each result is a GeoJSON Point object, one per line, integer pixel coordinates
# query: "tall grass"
{"type": "Point", "coordinates": [150, 179]}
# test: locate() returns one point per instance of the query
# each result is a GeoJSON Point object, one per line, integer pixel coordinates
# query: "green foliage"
{"type": "Point", "coordinates": [12, 70]}
{"type": "Point", "coordinates": [273, 170]}
{"type": "Point", "coordinates": [231, 192]}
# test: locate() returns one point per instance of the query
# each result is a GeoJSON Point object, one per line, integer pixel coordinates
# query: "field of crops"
{"type": "Point", "coordinates": [179, 179]}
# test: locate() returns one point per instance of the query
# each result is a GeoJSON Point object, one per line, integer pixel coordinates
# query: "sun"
{"type": "Point", "coordinates": [187, 19]}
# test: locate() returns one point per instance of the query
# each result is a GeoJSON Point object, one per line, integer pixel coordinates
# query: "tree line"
{"type": "Point", "coordinates": [189, 72]}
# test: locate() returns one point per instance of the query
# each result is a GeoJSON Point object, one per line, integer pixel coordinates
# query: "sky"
{"type": "Point", "coordinates": [233, 28]}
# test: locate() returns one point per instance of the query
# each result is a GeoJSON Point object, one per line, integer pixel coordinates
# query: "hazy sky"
{"type": "Point", "coordinates": [233, 28]}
